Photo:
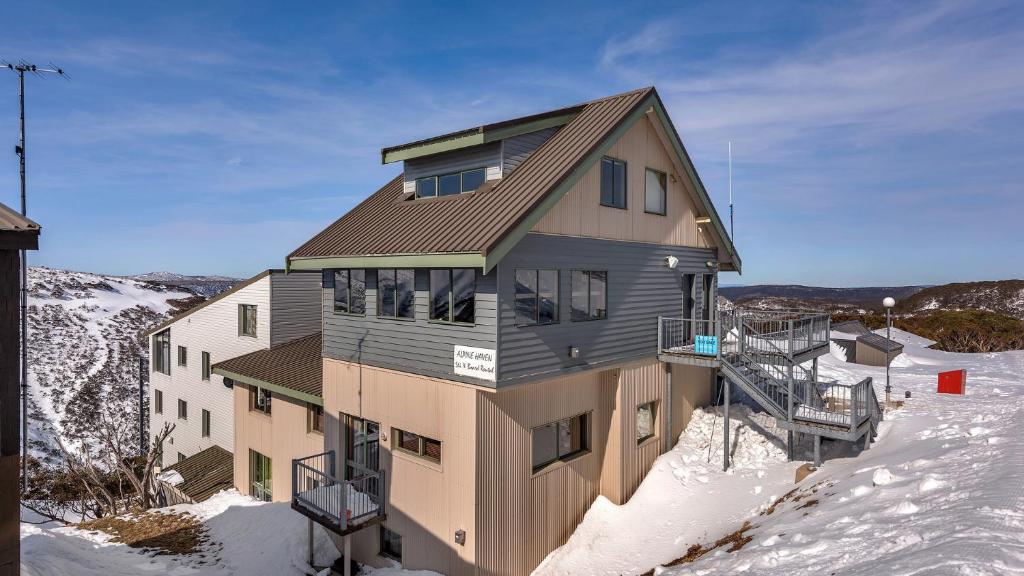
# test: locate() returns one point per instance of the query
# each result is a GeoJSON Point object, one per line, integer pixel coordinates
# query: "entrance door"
{"type": "Point", "coordinates": [361, 439]}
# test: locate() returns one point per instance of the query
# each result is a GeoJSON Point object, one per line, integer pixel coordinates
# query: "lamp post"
{"type": "Point", "coordinates": [888, 302]}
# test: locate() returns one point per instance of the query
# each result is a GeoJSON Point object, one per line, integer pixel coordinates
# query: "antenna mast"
{"type": "Point", "coordinates": [21, 68]}
{"type": "Point", "coordinates": [732, 226]}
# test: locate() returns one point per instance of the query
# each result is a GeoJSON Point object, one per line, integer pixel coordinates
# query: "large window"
{"type": "Point", "coordinates": [396, 293]}
{"type": "Point", "coordinates": [613, 183]}
{"type": "Point", "coordinates": [182, 356]}
{"type": "Point", "coordinates": [589, 299]}
{"type": "Point", "coordinates": [247, 320]}
{"type": "Point", "coordinates": [315, 417]}
{"type": "Point", "coordinates": [426, 448]}
{"type": "Point", "coordinates": [259, 399]}
{"type": "Point", "coordinates": [655, 192]}
{"type": "Point", "coordinates": [206, 423]}
{"type": "Point", "coordinates": [350, 291]}
{"type": "Point", "coordinates": [162, 352]}
{"type": "Point", "coordinates": [182, 410]}
{"type": "Point", "coordinates": [453, 295]}
{"type": "Point", "coordinates": [560, 441]}
{"type": "Point", "coordinates": [206, 365]}
{"type": "Point", "coordinates": [645, 418]}
{"type": "Point", "coordinates": [158, 402]}
{"type": "Point", "coordinates": [536, 297]}
{"type": "Point", "coordinates": [450, 184]}
{"type": "Point", "coordinates": [260, 477]}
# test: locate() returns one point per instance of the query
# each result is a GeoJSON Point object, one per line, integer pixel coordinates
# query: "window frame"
{"type": "Point", "coordinates": [312, 419]}
{"type": "Point", "coordinates": [182, 356]}
{"type": "Point", "coordinates": [206, 425]}
{"type": "Point", "coordinates": [242, 323]}
{"type": "Point", "coordinates": [158, 401]}
{"type": "Point", "coordinates": [590, 296]}
{"type": "Point", "coordinates": [412, 290]}
{"type": "Point", "coordinates": [182, 409]}
{"type": "Point", "coordinates": [451, 297]}
{"type": "Point", "coordinates": [664, 191]}
{"type": "Point", "coordinates": [254, 394]}
{"type": "Point", "coordinates": [206, 363]}
{"type": "Point", "coordinates": [266, 467]}
{"type": "Point", "coordinates": [537, 296]}
{"type": "Point", "coordinates": [421, 452]}
{"type": "Point", "coordinates": [654, 422]}
{"type": "Point", "coordinates": [349, 291]}
{"type": "Point", "coordinates": [162, 352]}
{"type": "Point", "coordinates": [560, 459]}
{"type": "Point", "coordinates": [436, 178]}
{"type": "Point", "coordinates": [625, 183]}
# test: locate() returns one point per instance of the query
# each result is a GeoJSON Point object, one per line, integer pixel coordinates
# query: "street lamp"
{"type": "Point", "coordinates": [888, 302]}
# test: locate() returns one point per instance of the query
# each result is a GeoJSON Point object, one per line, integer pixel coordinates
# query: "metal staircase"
{"type": "Point", "coordinates": [763, 353]}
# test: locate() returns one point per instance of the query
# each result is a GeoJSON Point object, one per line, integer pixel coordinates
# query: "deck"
{"type": "Point", "coordinates": [342, 506]}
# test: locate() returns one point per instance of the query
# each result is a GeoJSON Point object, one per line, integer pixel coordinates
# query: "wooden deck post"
{"type": "Point", "coordinates": [725, 435]}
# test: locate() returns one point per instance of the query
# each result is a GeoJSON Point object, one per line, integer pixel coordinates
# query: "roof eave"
{"type": "Point", "coordinates": [426, 260]}
{"type": "Point", "coordinates": [276, 388]}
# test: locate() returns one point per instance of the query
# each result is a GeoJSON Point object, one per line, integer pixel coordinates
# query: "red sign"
{"type": "Point", "coordinates": [953, 382]}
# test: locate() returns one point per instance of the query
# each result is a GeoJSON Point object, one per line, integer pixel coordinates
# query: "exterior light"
{"type": "Point", "coordinates": [574, 351]}
{"type": "Point", "coordinates": [671, 262]}
{"type": "Point", "coordinates": [703, 219]}
{"type": "Point", "coordinates": [888, 302]}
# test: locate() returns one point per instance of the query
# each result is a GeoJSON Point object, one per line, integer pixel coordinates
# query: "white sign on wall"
{"type": "Point", "coordinates": [476, 362]}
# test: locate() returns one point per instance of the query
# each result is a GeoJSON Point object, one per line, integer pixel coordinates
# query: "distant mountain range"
{"type": "Point", "coordinates": [206, 286]}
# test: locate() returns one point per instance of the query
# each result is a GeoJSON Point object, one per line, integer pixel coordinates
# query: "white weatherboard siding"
{"type": "Point", "coordinates": [212, 329]}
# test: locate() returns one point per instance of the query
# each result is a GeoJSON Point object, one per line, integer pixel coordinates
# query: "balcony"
{"type": "Point", "coordinates": [342, 506]}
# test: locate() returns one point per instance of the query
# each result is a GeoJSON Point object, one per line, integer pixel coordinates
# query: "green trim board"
{"type": "Point", "coordinates": [270, 386]}
{"type": "Point", "coordinates": [454, 260]}
{"type": "Point", "coordinates": [526, 127]}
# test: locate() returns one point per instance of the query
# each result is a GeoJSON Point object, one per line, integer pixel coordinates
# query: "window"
{"type": "Point", "coordinates": [182, 356]}
{"type": "Point", "coordinates": [655, 192]}
{"type": "Point", "coordinates": [396, 293]}
{"type": "Point", "coordinates": [206, 365]}
{"type": "Point", "coordinates": [259, 399]}
{"type": "Point", "coordinates": [645, 416]}
{"type": "Point", "coordinates": [260, 476]}
{"type": "Point", "coordinates": [390, 543]}
{"type": "Point", "coordinates": [158, 401]}
{"type": "Point", "coordinates": [421, 446]}
{"type": "Point", "coordinates": [589, 298]}
{"type": "Point", "coordinates": [350, 291]}
{"type": "Point", "coordinates": [181, 456]}
{"type": "Point", "coordinates": [162, 352]}
{"type": "Point", "coordinates": [613, 183]}
{"type": "Point", "coordinates": [450, 184]}
{"type": "Point", "coordinates": [182, 409]}
{"type": "Point", "coordinates": [453, 295]}
{"type": "Point", "coordinates": [315, 418]}
{"type": "Point", "coordinates": [536, 297]}
{"type": "Point", "coordinates": [247, 320]}
{"type": "Point", "coordinates": [560, 441]}
{"type": "Point", "coordinates": [206, 423]}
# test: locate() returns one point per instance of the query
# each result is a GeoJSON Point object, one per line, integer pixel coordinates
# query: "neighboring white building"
{"type": "Point", "coordinates": [266, 310]}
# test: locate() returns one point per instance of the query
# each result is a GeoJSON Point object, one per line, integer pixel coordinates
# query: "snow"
{"type": "Point", "coordinates": [172, 477]}
{"type": "Point", "coordinates": [247, 537]}
{"type": "Point", "coordinates": [940, 491]}
{"type": "Point", "coordinates": [358, 505]}
{"type": "Point", "coordinates": [907, 338]}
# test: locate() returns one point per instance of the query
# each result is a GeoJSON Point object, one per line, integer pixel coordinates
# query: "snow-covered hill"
{"type": "Point", "coordinates": [85, 344]}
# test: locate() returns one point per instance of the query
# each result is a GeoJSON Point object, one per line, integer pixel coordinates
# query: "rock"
{"type": "Point", "coordinates": [804, 471]}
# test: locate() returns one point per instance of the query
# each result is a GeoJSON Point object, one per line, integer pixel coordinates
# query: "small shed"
{"type": "Point", "coordinates": [197, 477]}
{"type": "Point", "coordinates": [876, 350]}
{"type": "Point", "coordinates": [845, 334]}
{"type": "Point", "coordinates": [16, 233]}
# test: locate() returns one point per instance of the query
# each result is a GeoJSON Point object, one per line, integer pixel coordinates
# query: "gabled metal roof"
{"type": "Point", "coordinates": [477, 229]}
{"type": "Point", "coordinates": [294, 368]}
{"type": "Point", "coordinates": [16, 231]}
{"type": "Point", "coordinates": [851, 327]}
{"type": "Point", "coordinates": [205, 473]}
{"type": "Point", "coordinates": [879, 342]}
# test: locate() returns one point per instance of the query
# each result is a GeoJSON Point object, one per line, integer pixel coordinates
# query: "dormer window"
{"type": "Point", "coordinates": [450, 184]}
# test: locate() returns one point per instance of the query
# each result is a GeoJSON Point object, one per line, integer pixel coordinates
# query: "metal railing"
{"type": "Point", "coordinates": [788, 333]}
{"type": "Point", "coordinates": [339, 504]}
{"type": "Point", "coordinates": [688, 336]}
{"type": "Point", "coordinates": [840, 405]}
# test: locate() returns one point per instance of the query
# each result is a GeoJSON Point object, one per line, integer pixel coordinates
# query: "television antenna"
{"type": "Point", "coordinates": [21, 68]}
{"type": "Point", "coordinates": [732, 226]}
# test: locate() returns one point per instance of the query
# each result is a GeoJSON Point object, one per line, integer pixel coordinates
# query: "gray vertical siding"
{"type": "Point", "coordinates": [483, 156]}
{"type": "Point", "coordinates": [294, 305]}
{"type": "Point", "coordinates": [518, 148]}
{"type": "Point", "coordinates": [418, 346]}
{"type": "Point", "coordinates": [640, 288]}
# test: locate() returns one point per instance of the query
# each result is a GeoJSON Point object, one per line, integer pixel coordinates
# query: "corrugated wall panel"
{"type": "Point", "coordinates": [483, 156]}
{"type": "Point", "coordinates": [295, 306]}
{"type": "Point", "coordinates": [517, 149]}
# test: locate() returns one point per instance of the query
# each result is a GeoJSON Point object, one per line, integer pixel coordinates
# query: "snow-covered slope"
{"type": "Point", "coordinates": [84, 347]}
{"type": "Point", "coordinates": [940, 492]}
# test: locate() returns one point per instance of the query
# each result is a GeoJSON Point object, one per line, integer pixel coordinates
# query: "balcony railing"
{"type": "Point", "coordinates": [786, 332]}
{"type": "Point", "coordinates": [341, 505]}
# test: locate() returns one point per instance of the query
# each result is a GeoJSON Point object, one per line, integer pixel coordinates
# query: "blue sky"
{"type": "Point", "coordinates": [874, 144]}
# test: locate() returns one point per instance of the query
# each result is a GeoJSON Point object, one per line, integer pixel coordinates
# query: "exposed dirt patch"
{"type": "Point", "coordinates": [160, 533]}
{"type": "Point", "coordinates": [735, 541]}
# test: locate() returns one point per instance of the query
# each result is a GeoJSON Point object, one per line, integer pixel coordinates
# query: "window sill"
{"type": "Point", "coordinates": [417, 459]}
{"type": "Point", "coordinates": [646, 441]}
{"type": "Point", "coordinates": [655, 213]}
{"type": "Point", "coordinates": [603, 205]}
{"type": "Point", "coordinates": [535, 325]}
{"type": "Point", "coordinates": [352, 314]}
{"type": "Point", "coordinates": [396, 318]}
{"type": "Point", "coordinates": [558, 464]}
{"type": "Point", "coordinates": [447, 323]}
{"type": "Point", "coordinates": [253, 336]}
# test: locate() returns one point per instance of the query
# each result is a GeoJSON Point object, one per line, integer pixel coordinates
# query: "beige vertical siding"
{"type": "Point", "coordinates": [427, 504]}
{"type": "Point", "coordinates": [692, 387]}
{"type": "Point", "coordinates": [579, 212]}
{"type": "Point", "coordinates": [281, 436]}
{"type": "Point", "coordinates": [640, 383]}
{"type": "Point", "coordinates": [873, 356]}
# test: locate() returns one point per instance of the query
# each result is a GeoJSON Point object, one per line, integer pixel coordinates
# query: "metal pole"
{"type": "Point", "coordinates": [24, 290]}
{"type": "Point", "coordinates": [311, 554]}
{"type": "Point", "coordinates": [668, 407]}
{"type": "Point", "coordinates": [143, 441]}
{"type": "Point", "coordinates": [348, 555]}
{"type": "Point", "coordinates": [725, 440]}
{"type": "Point", "coordinates": [888, 336]}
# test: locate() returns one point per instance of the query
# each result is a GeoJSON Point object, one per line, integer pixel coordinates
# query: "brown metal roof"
{"type": "Point", "coordinates": [388, 224]}
{"type": "Point", "coordinates": [16, 231]}
{"type": "Point", "coordinates": [13, 221]}
{"type": "Point", "coordinates": [206, 473]}
{"type": "Point", "coordinates": [295, 365]}
{"type": "Point", "coordinates": [879, 342]}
